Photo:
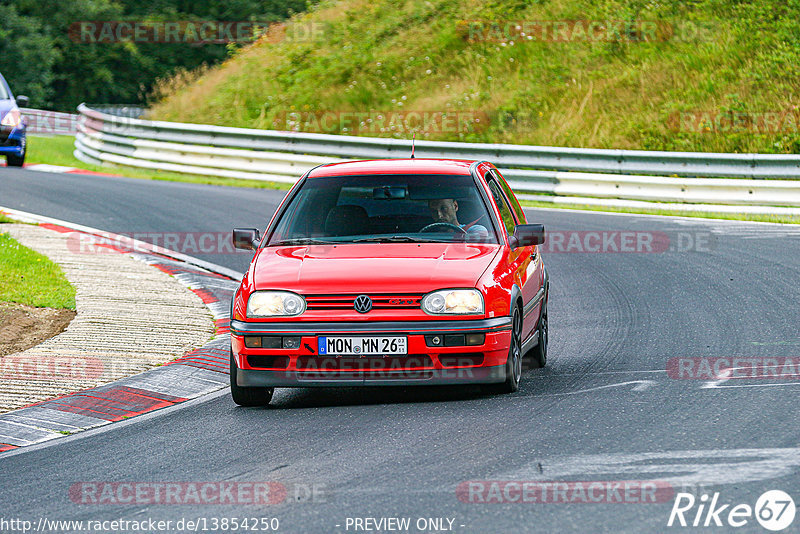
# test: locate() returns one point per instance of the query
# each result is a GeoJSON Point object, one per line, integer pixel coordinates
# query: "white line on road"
{"type": "Point", "coordinates": [641, 385]}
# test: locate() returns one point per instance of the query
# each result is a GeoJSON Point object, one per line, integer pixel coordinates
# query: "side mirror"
{"type": "Point", "coordinates": [22, 101]}
{"type": "Point", "coordinates": [526, 235]}
{"type": "Point", "coordinates": [246, 238]}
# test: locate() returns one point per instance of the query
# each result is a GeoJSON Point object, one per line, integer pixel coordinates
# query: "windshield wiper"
{"type": "Point", "coordinates": [305, 241]}
{"type": "Point", "coordinates": [394, 239]}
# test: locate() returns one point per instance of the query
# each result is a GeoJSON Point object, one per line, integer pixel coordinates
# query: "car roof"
{"type": "Point", "coordinates": [394, 166]}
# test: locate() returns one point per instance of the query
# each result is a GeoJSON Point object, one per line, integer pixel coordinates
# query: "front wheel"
{"type": "Point", "coordinates": [248, 396]}
{"type": "Point", "coordinates": [540, 352]}
{"type": "Point", "coordinates": [15, 161]}
{"type": "Point", "coordinates": [514, 361]}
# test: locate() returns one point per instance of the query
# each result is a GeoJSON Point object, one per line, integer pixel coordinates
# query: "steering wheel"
{"type": "Point", "coordinates": [445, 225]}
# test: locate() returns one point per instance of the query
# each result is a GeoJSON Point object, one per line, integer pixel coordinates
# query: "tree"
{"type": "Point", "coordinates": [23, 44]}
{"type": "Point", "coordinates": [59, 70]}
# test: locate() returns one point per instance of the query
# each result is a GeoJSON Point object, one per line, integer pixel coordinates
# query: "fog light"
{"type": "Point", "coordinates": [291, 343]}
{"type": "Point", "coordinates": [476, 339]}
{"type": "Point", "coordinates": [433, 341]}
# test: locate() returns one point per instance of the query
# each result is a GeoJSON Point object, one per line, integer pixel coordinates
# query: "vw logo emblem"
{"type": "Point", "coordinates": [363, 304]}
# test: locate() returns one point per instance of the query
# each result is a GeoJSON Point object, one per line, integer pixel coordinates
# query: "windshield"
{"type": "Point", "coordinates": [394, 208]}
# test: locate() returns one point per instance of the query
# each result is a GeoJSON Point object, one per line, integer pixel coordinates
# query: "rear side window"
{"type": "Point", "coordinates": [511, 198]}
{"type": "Point", "coordinates": [502, 205]}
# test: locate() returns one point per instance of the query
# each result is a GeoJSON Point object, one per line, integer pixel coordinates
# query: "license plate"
{"type": "Point", "coordinates": [361, 346]}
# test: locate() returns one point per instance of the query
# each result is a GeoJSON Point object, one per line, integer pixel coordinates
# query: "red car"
{"type": "Point", "coordinates": [390, 272]}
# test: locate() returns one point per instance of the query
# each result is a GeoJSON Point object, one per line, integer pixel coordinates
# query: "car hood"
{"type": "Point", "coordinates": [371, 268]}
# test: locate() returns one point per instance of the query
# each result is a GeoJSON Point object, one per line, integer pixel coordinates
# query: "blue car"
{"type": "Point", "coordinates": [12, 126]}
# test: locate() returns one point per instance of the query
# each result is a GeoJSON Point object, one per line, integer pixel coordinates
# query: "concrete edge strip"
{"type": "Point", "coordinates": [197, 373]}
{"type": "Point", "coordinates": [61, 169]}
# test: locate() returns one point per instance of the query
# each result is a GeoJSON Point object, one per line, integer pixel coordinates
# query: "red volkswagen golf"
{"type": "Point", "coordinates": [390, 272]}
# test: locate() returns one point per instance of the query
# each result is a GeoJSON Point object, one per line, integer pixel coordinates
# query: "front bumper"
{"type": "Point", "coordinates": [423, 365]}
{"type": "Point", "coordinates": [12, 141]}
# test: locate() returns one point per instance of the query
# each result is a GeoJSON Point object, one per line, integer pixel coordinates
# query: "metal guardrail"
{"type": "Point", "coordinates": [132, 111]}
{"type": "Point", "coordinates": [284, 156]}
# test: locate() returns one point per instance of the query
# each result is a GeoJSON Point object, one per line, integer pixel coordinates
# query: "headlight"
{"type": "Point", "coordinates": [453, 301]}
{"type": "Point", "coordinates": [12, 118]}
{"type": "Point", "coordinates": [275, 304]}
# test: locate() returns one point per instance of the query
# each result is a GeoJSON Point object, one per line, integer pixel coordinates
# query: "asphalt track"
{"type": "Point", "coordinates": [604, 409]}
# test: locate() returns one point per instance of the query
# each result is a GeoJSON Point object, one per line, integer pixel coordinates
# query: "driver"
{"type": "Point", "coordinates": [444, 210]}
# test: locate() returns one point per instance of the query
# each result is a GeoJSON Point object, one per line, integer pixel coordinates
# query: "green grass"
{"type": "Point", "coordinates": [57, 150]}
{"type": "Point", "coordinates": [726, 56]}
{"type": "Point", "coordinates": [784, 219]}
{"type": "Point", "coordinates": [27, 277]}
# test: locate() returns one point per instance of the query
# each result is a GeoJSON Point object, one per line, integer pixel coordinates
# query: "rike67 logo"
{"type": "Point", "coordinates": [774, 510]}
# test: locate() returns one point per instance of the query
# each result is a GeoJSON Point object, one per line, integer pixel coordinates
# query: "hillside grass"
{"type": "Point", "coordinates": [718, 56]}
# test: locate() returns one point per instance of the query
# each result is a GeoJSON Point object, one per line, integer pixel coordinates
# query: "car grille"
{"type": "Point", "coordinates": [379, 302]}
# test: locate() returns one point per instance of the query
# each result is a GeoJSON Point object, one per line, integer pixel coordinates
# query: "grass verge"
{"type": "Point", "coordinates": [27, 277]}
{"type": "Point", "coordinates": [57, 150]}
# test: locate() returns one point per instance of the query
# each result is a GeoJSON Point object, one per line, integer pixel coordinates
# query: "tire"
{"type": "Point", "coordinates": [540, 351]}
{"type": "Point", "coordinates": [15, 161]}
{"type": "Point", "coordinates": [248, 396]}
{"type": "Point", "coordinates": [514, 361]}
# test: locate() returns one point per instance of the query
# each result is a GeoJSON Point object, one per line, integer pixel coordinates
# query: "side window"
{"type": "Point", "coordinates": [502, 206]}
{"type": "Point", "coordinates": [511, 198]}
